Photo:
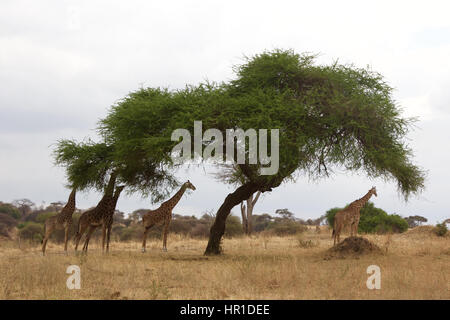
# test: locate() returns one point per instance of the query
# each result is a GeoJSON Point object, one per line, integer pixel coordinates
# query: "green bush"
{"type": "Point", "coordinates": [134, 232]}
{"type": "Point", "coordinates": [285, 228]}
{"type": "Point", "coordinates": [374, 220]}
{"type": "Point", "coordinates": [42, 217]}
{"type": "Point", "coordinates": [233, 227]}
{"type": "Point", "coordinates": [6, 224]}
{"type": "Point", "coordinates": [10, 210]}
{"type": "Point", "coordinates": [32, 231]}
{"type": "Point", "coordinates": [441, 229]}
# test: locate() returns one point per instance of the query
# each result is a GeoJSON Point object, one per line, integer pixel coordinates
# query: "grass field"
{"type": "Point", "coordinates": [413, 266]}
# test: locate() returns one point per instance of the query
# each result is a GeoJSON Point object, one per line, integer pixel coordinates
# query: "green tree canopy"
{"type": "Point", "coordinates": [89, 165]}
{"type": "Point", "coordinates": [373, 220]}
{"type": "Point", "coordinates": [328, 116]}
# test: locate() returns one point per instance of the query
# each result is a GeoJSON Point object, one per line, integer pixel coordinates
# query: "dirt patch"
{"type": "Point", "coordinates": [352, 247]}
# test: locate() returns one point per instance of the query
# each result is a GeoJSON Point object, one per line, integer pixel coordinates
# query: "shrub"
{"type": "Point", "coordinates": [201, 230]}
{"type": "Point", "coordinates": [32, 231]}
{"type": "Point", "coordinates": [233, 227]}
{"type": "Point", "coordinates": [131, 233]}
{"type": "Point", "coordinates": [10, 210]}
{"type": "Point", "coordinates": [286, 228]}
{"type": "Point", "coordinates": [42, 217]}
{"type": "Point", "coordinates": [6, 223]}
{"type": "Point", "coordinates": [306, 244]}
{"type": "Point", "coordinates": [374, 220]}
{"type": "Point", "coordinates": [441, 229]}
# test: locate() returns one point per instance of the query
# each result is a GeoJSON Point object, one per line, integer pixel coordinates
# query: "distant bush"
{"type": "Point", "coordinates": [42, 217]}
{"type": "Point", "coordinates": [134, 232]}
{"type": "Point", "coordinates": [374, 220]}
{"type": "Point", "coordinates": [441, 229]}
{"type": "Point", "coordinates": [10, 210]}
{"type": "Point", "coordinates": [261, 222]}
{"type": "Point", "coordinates": [6, 224]}
{"type": "Point", "coordinates": [233, 227]}
{"type": "Point", "coordinates": [200, 231]}
{"type": "Point", "coordinates": [285, 228]}
{"type": "Point", "coordinates": [31, 231]}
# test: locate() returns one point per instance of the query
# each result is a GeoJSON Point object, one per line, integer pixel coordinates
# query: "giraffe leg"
{"type": "Point", "coordinates": [66, 237]}
{"type": "Point", "coordinates": [48, 232]}
{"type": "Point", "coordinates": [103, 237]}
{"type": "Point", "coordinates": [108, 234]}
{"type": "Point", "coordinates": [166, 231]}
{"type": "Point", "coordinates": [88, 237]}
{"type": "Point", "coordinates": [79, 234]}
{"type": "Point", "coordinates": [144, 240]}
{"type": "Point", "coordinates": [337, 235]}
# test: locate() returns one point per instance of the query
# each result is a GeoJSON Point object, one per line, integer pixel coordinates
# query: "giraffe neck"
{"type": "Point", "coordinates": [69, 208]}
{"type": "Point", "coordinates": [172, 202]}
{"type": "Point", "coordinates": [361, 202]}
{"type": "Point", "coordinates": [71, 201]}
{"type": "Point", "coordinates": [113, 202]}
{"type": "Point", "coordinates": [110, 187]}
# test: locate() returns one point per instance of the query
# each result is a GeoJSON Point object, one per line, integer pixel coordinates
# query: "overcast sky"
{"type": "Point", "coordinates": [64, 63]}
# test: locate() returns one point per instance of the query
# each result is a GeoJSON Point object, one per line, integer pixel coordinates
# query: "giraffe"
{"type": "Point", "coordinates": [163, 213]}
{"type": "Point", "coordinates": [93, 218]}
{"type": "Point", "coordinates": [63, 220]}
{"type": "Point", "coordinates": [350, 216]}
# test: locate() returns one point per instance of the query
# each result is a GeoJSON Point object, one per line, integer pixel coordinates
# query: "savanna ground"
{"type": "Point", "coordinates": [414, 265]}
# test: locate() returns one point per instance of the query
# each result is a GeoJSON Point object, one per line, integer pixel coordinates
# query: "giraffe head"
{"type": "Point", "coordinates": [374, 191]}
{"type": "Point", "coordinates": [189, 185]}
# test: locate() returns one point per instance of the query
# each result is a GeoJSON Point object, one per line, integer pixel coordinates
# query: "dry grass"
{"type": "Point", "coordinates": [412, 267]}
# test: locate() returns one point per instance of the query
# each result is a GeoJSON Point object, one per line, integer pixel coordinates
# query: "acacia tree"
{"type": "Point", "coordinates": [24, 206]}
{"type": "Point", "coordinates": [328, 116]}
{"type": "Point", "coordinates": [414, 221]}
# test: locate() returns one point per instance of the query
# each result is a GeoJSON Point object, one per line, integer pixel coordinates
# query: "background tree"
{"type": "Point", "coordinates": [414, 221]}
{"type": "Point", "coordinates": [328, 116]}
{"type": "Point", "coordinates": [285, 214]}
{"type": "Point", "coordinates": [25, 206]}
{"type": "Point", "coordinates": [10, 210]}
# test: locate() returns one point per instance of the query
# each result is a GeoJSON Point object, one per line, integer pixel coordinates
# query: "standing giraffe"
{"type": "Point", "coordinates": [93, 218]}
{"type": "Point", "coordinates": [350, 216]}
{"type": "Point", "coordinates": [163, 213]}
{"type": "Point", "coordinates": [63, 220]}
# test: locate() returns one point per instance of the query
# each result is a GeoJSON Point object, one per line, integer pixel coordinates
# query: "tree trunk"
{"type": "Point", "coordinates": [250, 205]}
{"type": "Point", "coordinates": [249, 215]}
{"type": "Point", "coordinates": [244, 218]}
{"type": "Point", "coordinates": [218, 228]}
